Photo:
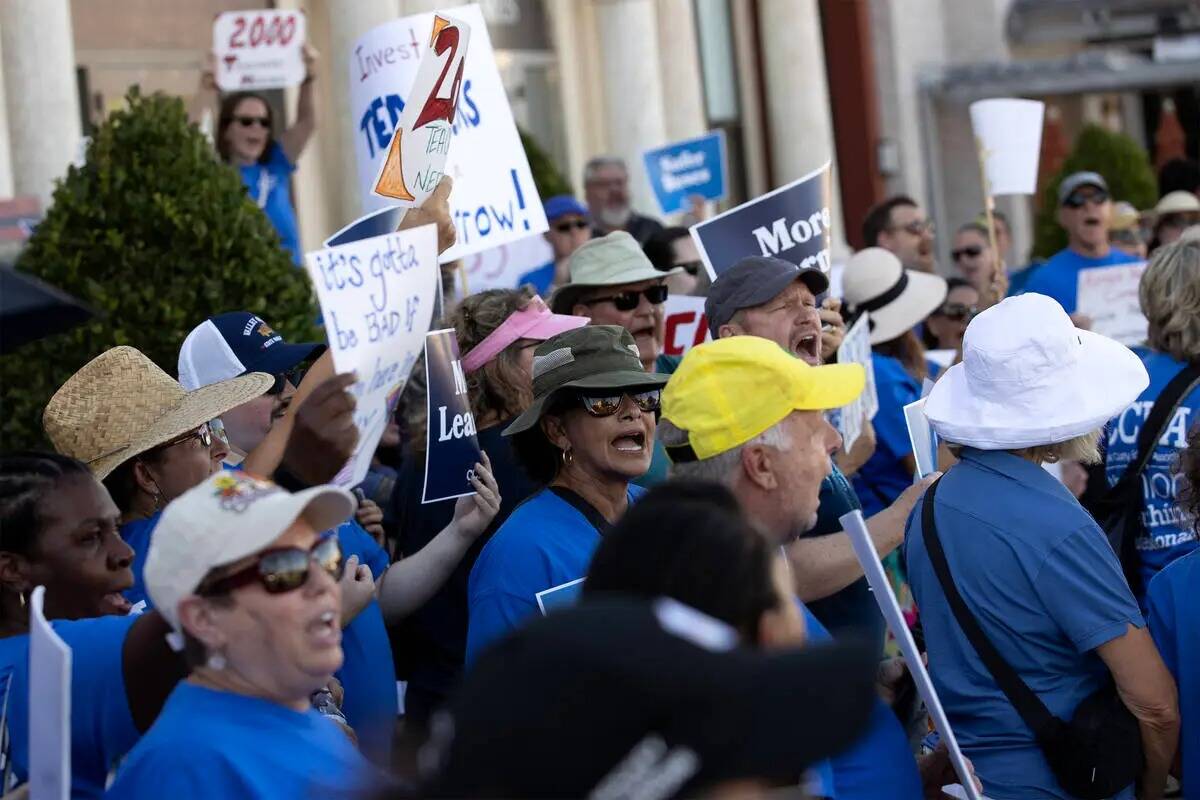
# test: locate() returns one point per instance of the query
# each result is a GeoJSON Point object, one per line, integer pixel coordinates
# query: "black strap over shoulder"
{"type": "Point", "coordinates": [1156, 424]}
{"type": "Point", "coordinates": [589, 511]}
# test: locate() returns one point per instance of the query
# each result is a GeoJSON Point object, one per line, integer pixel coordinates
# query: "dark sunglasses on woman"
{"type": "Point", "coordinates": [958, 311]}
{"type": "Point", "coordinates": [246, 122]}
{"type": "Point", "coordinates": [628, 301]}
{"type": "Point", "coordinates": [566, 227]}
{"type": "Point", "coordinates": [282, 569]}
{"type": "Point", "coordinates": [282, 379]}
{"type": "Point", "coordinates": [970, 251]}
{"type": "Point", "coordinates": [607, 405]}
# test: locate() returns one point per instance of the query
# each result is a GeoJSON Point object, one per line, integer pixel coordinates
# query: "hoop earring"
{"type": "Point", "coordinates": [568, 457]}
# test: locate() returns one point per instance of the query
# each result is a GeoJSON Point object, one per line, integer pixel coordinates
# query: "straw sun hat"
{"type": "Point", "coordinates": [120, 404]}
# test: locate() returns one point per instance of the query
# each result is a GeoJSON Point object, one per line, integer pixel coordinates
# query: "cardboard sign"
{"type": "Point", "coordinates": [49, 693]}
{"type": "Point", "coordinates": [1109, 295]}
{"type": "Point", "coordinates": [451, 447]}
{"type": "Point", "coordinates": [922, 438]}
{"type": "Point", "coordinates": [416, 157]}
{"type": "Point", "coordinates": [684, 324]}
{"type": "Point", "coordinates": [791, 222]}
{"type": "Point", "coordinates": [377, 300]}
{"type": "Point", "coordinates": [682, 170]}
{"type": "Point", "coordinates": [260, 49]}
{"type": "Point", "coordinates": [1009, 134]}
{"type": "Point", "coordinates": [368, 226]}
{"type": "Point", "coordinates": [561, 596]}
{"type": "Point", "coordinates": [864, 548]}
{"type": "Point", "coordinates": [494, 199]}
{"type": "Point", "coordinates": [856, 348]}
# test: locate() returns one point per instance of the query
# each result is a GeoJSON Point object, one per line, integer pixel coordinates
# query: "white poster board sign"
{"type": "Point", "coordinates": [494, 199]}
{"type": "Point", "coordinates": [1109, 296]}
{"type": "Point", "coordinates": [684, 324]}
{"type": "Point", "coordinates": [856, 348]}
{"type": "Point", "coordinates": [505, 266]}
{"type": "Point", "coordinates": [1009, 134]}
{"type": "Point", "coordinates": [377, 298]}
{"type": "Point", "coordinates": [256, 50]}
{"type": "Point", "coordinates": [864, 548]}
{"type": "Point", "coordinates": [920, 434]}
{"type": "Point", "coordinates": [50, 694]}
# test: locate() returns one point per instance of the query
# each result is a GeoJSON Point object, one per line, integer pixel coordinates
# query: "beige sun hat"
{"type": "Point", "coordinates": [612, 260]}
{"type": "Point", "coordinates": [120, 404]}
{"type": "Point", "coordinates": [1177, 202]}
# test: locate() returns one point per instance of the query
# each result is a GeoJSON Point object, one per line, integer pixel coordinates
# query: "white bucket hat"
{"type": "Point", "coordinates": [1029, 377]}
{"type": "Point", "coordinates": [875, 281]}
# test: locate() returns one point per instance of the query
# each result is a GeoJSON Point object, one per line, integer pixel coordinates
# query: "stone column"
{"type": "Point", "coordinates": [41, 93]}
{"type": "Point", "coordinates": [6, 176]}
{"type": "Point", "coordinates": [679, 66]}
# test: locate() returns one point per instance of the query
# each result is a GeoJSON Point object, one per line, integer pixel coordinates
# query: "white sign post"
{"type": "Point", "coordinates": [257, 50]}
{"type": "Point", "coordinates": [920, 434]}
{"type": "Point", "coordinates": [856, 348]}
{"type": "Point", "coordinates": [1109, 297]}
{"type": "Point", "coordinates": [50, 695]}
{"type": "Point", "coordinates": [377, 297]}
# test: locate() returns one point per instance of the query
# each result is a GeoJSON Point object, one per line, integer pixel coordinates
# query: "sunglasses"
{"type": "Point", "coordinates": [958, 311]}
{"type": "Point", "coordinates": [607, 405]}
{"type": "Point", "coordinates": [203, 433]}
{"type": "Point", "coordinates": [284, 378]}
{"type": "Point", "coordinates": [692, 267]}
{"type": "Point", "coordinates": [628, 301]}
{"type": "Point", "coordinates": [970, 251]}
{"type": "Point", "coordinates": [1080, 199]}
{"type": "Point", "coordinates": [567, 227]}
{"type": "Point", "coordinates": [281, 569]}
{"type": "Point", "coordinates": [246, 122]}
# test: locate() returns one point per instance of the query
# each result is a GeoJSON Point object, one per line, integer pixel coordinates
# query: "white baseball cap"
{"type": "Point", "coordinates": [228, 517]}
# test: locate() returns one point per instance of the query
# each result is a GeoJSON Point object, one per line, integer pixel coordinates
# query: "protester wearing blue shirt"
{"type": "Point", "coordinates": [1030, 564]}
{"type": "Point", "coordinates": [570, 228]}
{"type": "Point", "coordinates": [588, 433]}
{"type": "Point", "coordinates": [1085, 211]}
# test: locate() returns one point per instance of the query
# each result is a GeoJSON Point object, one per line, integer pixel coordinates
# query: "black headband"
{"type": "Point", "coordinates": [879, 301]}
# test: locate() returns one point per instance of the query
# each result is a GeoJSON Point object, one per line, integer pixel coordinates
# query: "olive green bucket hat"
{"type": "Point", "coordinates": [593, 357]}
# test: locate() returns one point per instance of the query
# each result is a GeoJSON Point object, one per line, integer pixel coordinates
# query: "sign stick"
{"type": "Point", "coordinates": [989, 205]}
{"type": "Point", "coordinates": [462, 274]}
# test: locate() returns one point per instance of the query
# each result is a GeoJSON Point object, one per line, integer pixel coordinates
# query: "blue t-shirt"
{"type": "Point", "coordinates": [544, 543]}
{"type": "Point", "coordinates": [1174, 618]}
{"type": "Point", "coordinates": [1047, 589]}
{"type": "Point", "coordinates": [269, 185]}
{"type": "Point", "coordinates": [1059, 276]}
{"type": "Point", "coordinates": [137, 535]}
{"type": "Point", "coordinates": [208, 743]}
{"type": "Point", "coordinates": [1169, 534]}
{"type": "Point", "coordinates": [881, 480]}
{"type": "Point", "coordinates": [102, 728]}
{"type": "Point", "coordinates": [540, 278]}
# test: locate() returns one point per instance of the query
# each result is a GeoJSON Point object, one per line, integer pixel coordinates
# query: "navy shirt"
{"type": "Point", "coordinates": [883, 478]}
{"type": "Point", "coordinates": [208, 744]}
{"type": "Point", "coordinates": [269, 186]}
{"type": "Point", "coordinates": [1047, 589]}
{"type": "Point", "coordinates": [1059, 276]}
{"type": "Point", "coordinates": [1174, 617]}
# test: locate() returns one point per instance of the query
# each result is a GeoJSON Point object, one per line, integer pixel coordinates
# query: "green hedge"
{"type": "Point", "coordinates": [157, 235]}
{"type": "Point", "coordinates": [546, 177]}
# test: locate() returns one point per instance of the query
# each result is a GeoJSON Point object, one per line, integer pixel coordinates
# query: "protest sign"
{"type": "Point", "coordinates": [1009, 134]}
{"type": "Point", "coordinates": [922, 438]}
{"type": "Point", "coordinates": [50, 694]}
{"type": "Point", "coordinates": [494, 199]}
{"type": "Point", "coordinates": [864, 548]}
{"type": "Point", "coordinates": [368, 226]}
{"type": "Point", "coordinates": [509, 265]}
{"type": "Point", "coordinates": [561, 596]}
{"type": "Point", "coordinates": [377, 300]}
{"type": "Point", "coordinates": [416, 156]}
{"type": "Point", "coordinates": [682, 170]}
{"type": "Point", "coordinates": [684, 324]}
{"type": "Point", "coordinates": [259, 49]}
{"type": "Point", "coordinates": [856, 348]}
{"type": "Point", "coordinates": [791, 222]}
{"type": "Point", "coordinates": [1109, 297]}
{"type": "Point", "coordinates": [451, 447]}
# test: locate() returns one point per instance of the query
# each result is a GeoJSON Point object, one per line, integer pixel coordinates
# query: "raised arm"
{"type": "Point", "coordinates": [295, 138]}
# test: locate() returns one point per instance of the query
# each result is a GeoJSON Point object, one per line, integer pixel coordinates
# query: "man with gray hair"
{"type": "Point", "coordinates": [606, 189]}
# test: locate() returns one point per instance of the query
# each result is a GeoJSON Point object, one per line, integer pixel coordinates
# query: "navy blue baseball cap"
{"type": "Point", "coordinates": [561, 205]}
{"type": "Point", "coordinates": [752, 281]}
{"type": "Point", "coordinates": [233, 344]}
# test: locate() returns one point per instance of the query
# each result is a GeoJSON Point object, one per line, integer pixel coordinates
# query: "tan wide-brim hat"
{"type": "Point", "coordinates": [896, 298]}
{"type": "Point", "coordinates": [120, 404]}
{"type": "Point", "coordinates": [613, 260]}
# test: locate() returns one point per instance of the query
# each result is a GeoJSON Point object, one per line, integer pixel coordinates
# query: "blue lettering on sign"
{"type": "Point", "coordinates": [378, 122]}
{"type": "Point", "coordinates": [477, 223]}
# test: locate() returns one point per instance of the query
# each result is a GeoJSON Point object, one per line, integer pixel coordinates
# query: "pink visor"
{"type": "Point", "coordinates": [535, 321]}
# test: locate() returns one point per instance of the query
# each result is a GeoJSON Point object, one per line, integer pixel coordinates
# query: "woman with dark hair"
{"type": "Point", "coordinates": [944, 328]}
{"type": "Point", "coordinates": [588, 433]}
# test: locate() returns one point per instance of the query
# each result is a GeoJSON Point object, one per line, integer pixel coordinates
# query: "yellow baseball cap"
{"type": "Point", "coordinates": [728, 391]}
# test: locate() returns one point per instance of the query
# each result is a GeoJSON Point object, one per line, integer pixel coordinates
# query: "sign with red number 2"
{"type": "Point", "coordinates": [416, 157]}
{"type": "Point", "coordinates": [258, 49]}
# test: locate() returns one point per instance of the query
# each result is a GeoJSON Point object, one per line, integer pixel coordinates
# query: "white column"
{"type": "Point", "coordinates": [6, 176]}
{"type": "Point", "coordinates": [40, 90]}
{"type": "Point", "coordinates": [633, 92]}
{"type": "Point", "coordinates": [679, 65]}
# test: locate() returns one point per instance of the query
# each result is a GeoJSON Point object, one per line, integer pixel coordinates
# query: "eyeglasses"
{"type": "Point", "coordinates": [917, 227]}
{"type": "Point", "coordinates": [1079, 199]}
{"type": "Point", "coordinates": [628, 301]}
{"type": "Point", "coordinates": [282, 569]}
{"type": "Point", "coordinates": [567, 227]}
{"type": "Point", "coordinates": [246, 122]}
{"type": "Point", "coordinates": [607, 405]}
{"type": "Point", "coordinates": [203, 433]}
{"type": "Point", "coordinates": [970, 251]}
{"type": "Point", "coordinates": [692, 267]}
{"type": "Point", "coordinates": [958, 311]}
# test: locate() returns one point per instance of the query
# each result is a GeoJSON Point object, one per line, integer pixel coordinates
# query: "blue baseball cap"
{"type": "Point", "coordinates": [561, 205]}
{"type": "Point", "coordinates": [233, 344]}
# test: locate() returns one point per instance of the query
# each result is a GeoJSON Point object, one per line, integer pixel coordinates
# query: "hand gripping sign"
{"type": "Point", "coordinates": [416, 157]}
{"type": "Point", "coordinates": [258, 49]}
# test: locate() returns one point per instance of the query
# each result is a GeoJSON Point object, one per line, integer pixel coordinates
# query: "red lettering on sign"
{"type": "Point", "coordinates": [671, 327]}
{"type": "Point", "coordinates": [437, 107]}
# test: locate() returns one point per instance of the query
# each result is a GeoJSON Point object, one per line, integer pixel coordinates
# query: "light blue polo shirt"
{"type": "Point", "coordinates": [1173, 603]}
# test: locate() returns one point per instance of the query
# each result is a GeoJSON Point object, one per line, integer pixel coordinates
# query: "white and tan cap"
{"type": "Point", "coordinates": [228, 517]}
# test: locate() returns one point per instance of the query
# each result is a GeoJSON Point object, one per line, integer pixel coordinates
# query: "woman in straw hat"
{"type": "Point", "coordinates": [142, 434]}
{"type": "Point", "coordinates": [1029, 564]}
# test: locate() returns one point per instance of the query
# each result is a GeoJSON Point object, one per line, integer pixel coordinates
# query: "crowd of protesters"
{"type": "Point", "coordinates": [650, 592]}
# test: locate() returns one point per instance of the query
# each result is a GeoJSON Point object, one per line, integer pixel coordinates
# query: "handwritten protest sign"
{"type": "Point", "coordinates": [451, 446]}
{"type": "Point", "coordinates": [561, 596]}
{"type": "Point", "coordinates": [494, 199]}
{"type": "Point", "coordinates": [681, 170]}
{"type": "Point", "coordinates": [50, 694]}
{"type": "Point", "coordinates": [864, 548]}
{"type": "Point", "coordinates": [856, 348]}
{"type": "Point", "coordinates": [1109, 296]}
{"type": "Point", "coordinates": [684, 324]}
{"type": "Point", "coordinates": [259, 49]}
{"type": "Point", "coordinates": [416, 157]}
{"type": "Point", "coordinates": [377, 299]}
{"type": "Point", "coordinates": [1009, 133]}
{"type": "Point", "coordinates": [922, 438]}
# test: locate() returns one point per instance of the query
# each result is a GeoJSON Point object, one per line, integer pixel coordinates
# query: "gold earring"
{"type": "Point", "coordinates": [568, 458]}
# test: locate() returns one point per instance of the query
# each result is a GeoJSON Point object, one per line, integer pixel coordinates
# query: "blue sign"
{"type": "Point", "coordinates": [451, 447]}
{"type": "Point", "coordinates": [791, 223]}
{"type": "Point", "coordinates": [377, 223]}
{"type": "Point", "coordinates": [681, 170]}
{"type": "Point", "coordinates": [562, 596]}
